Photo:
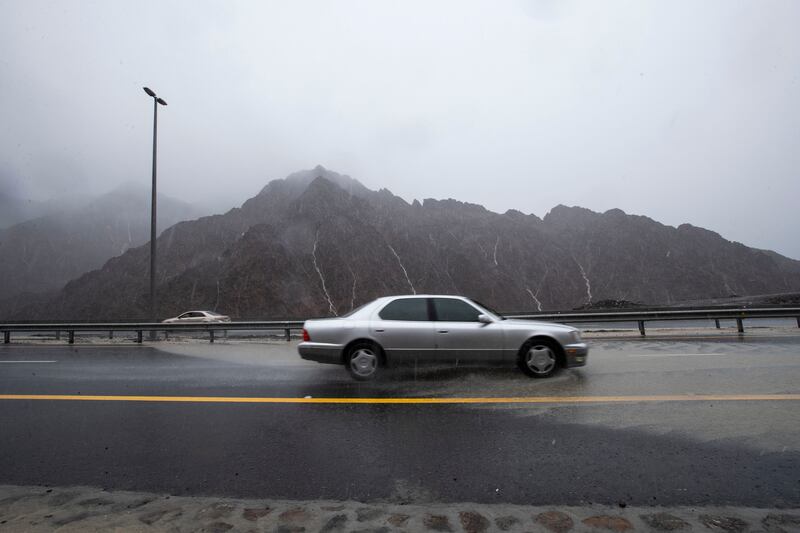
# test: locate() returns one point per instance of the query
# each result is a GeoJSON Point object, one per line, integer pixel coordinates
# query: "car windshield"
{"type": "Point", "coordinates": [491, 311]}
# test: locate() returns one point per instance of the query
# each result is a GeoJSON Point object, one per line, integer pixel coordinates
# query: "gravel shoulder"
{"type": "Point", "coordinates": [34, 509]}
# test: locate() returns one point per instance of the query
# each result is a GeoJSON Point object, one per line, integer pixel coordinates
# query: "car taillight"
{"type": "Point", "coordinates": [306, 337]}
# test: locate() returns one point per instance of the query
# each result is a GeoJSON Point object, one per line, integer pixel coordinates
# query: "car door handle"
{"type": "Point", "coordinates": [442, 331]}
{"type": "Point", "coordinates": [379, 330]}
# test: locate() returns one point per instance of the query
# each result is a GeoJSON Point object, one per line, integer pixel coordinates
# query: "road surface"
{"type": "Point", "coordinates": [665, 422]}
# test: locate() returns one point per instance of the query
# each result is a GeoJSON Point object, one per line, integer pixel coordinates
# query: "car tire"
{"type": "Point", "coordinates": [538, 358]}
{"type": "Point", "coordinates": [363, 361]}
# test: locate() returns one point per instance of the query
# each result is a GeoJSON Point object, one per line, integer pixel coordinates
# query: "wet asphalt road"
{"type": "Point", "coordinates": [647, 452]}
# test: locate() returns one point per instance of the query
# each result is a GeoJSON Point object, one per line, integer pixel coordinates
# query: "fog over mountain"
{"type": "Point", "coordinates": [319, 244]}
{"type": "Point", "coordinates": [14, 210]}
{"type": "Point", "coordinates": [43, 253]}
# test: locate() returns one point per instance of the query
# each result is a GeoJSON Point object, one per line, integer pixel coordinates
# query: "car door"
{"type": "Point", "coordinates": [404, 330]}
{"type": "Point", "coordinates": [460, 336]}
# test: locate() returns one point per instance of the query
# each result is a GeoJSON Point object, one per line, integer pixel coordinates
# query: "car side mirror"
{"type": "Point", "coordinates": [486, 319]}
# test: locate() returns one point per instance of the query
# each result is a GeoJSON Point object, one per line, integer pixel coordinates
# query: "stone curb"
{"type": "Point", "coordinates": [34, 509]}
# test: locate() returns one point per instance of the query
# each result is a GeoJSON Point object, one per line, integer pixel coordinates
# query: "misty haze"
{"type": "Point", "coordinates": [521, 108]}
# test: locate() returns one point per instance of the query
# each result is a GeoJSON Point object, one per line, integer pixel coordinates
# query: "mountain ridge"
{"type": "Point", "coordinates": [307, 246]}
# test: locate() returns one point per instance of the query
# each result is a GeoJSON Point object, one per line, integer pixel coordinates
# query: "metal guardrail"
{"type": "Point", "coordinates": [139, 328]}
{"type": "Point", "coordinates": [640, 317]}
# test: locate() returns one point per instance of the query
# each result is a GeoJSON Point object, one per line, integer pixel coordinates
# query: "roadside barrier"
{"type": "Point", "coordinates": [640, 317]}
{"type": "Point", "coordinates": [211, 328]}
{"type": "Point", "coordinates": [287, 326]}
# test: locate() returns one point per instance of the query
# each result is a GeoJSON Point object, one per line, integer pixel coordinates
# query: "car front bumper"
{"type": "Point", "coordinates": [321, 352]}
{"type": "Point", "coordinates": [576, 354]}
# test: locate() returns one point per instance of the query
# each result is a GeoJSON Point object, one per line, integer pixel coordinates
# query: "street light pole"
{"type": "Point", "coordinates": [153, 210]}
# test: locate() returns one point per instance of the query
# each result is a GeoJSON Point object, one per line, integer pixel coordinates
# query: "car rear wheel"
{"type": "Point", "coordinates": [538, 358]}
{"type": "Point", "coordinates": [363, 361]}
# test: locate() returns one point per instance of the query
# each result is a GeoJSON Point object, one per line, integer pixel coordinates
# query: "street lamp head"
{"type": "Point", "coordinates": [161, 101]}
{"type": "Point", "coordinates": [149, 92]}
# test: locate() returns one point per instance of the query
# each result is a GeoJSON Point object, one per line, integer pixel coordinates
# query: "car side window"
{"type": "Point", "coordinates": [406, 309]}
{"type": "Point", "coordinates": [185, 315]}
{"type": "Point", "coordinates": [452, 310]}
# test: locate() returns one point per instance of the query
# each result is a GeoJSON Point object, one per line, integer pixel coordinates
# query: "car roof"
{"type": "Point", "coordinates": [424, 296]}
{"type": "Point", "coordinates": [386, 299]}
{"type": "Point", "coordinates": [370, 307]}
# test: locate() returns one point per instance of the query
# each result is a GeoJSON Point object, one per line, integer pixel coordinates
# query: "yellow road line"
{"type": "Point", "coordinates": [478, 400]}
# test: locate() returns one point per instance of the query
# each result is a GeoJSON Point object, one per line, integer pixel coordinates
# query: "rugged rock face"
{"type": "Point", "coordinates": [603, 305]}
{"type": "Point", "coordinates": [635, 258]}
{"type": "Point", "coordinates": [319, 244]}
{"type": "Point", "coordinates": [42, 254]}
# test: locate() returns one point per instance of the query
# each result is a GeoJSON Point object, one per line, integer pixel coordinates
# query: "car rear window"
{"type": "Point", "coordinates": [452, 310]}
{"type": "Point", "coordinates": [406, 309]}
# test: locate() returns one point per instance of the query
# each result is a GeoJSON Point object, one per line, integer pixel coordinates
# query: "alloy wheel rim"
{"type": "Point", "coordinates": [540, 359]}
{"type": "Point", "coordinates": [364, 362]}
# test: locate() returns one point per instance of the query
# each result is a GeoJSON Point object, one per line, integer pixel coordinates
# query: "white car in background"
{"type": "Point", "coordinates": [192, 317]}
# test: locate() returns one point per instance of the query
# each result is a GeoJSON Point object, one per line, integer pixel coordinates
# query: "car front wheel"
{"type": "Point", "coordinates": [538, 358]}
{"type": "Point", "coordinates": [363, 361]}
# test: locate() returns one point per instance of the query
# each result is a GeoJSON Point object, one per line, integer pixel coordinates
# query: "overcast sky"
{"type": "Point", "coordinates": [681, 111]}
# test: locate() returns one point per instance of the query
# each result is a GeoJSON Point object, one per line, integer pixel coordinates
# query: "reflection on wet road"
{"type": "Point", "coordinates": [648, 421]}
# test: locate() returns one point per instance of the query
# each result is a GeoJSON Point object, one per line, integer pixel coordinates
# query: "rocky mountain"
{"type": "Point", "coordinates": [635, 258]}
{"type": "Point", "coordinates": [318, 243]}
{"type": "Point", "coordinates": [42, 254]}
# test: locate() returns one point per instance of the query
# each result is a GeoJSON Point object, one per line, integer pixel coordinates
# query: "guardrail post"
{"type": "Point", "coordinates": [288, 334]}
{"type": "Point", "coordinates": [798, 322]}
{"type": "Point", "coordinates": [166, 335]}
{"type": "Point", "coordinates": [641, 327]}
{"type": "Point", "coordinates": [740, 325]}
{"type": "Point", "coordinates": [110, 334]}
{"type": "Point", "coordinates": [71, 337]}
{"type": "Point", "coordinates": [139, 336]}
{"type": "Point", "coordinates": [224, 333]}
{"type": "Point", "coordinates": [58, 335]}
{"type": "Point", "coordinates": [6, 337]}
{"type": "Point", "coordinates": [716, 322]}
{"type": "Point", "coordinates": [211, 335]}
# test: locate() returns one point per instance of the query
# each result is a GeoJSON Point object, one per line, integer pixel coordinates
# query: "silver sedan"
{"type": "Point", "coordinates": [430, 328]}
